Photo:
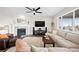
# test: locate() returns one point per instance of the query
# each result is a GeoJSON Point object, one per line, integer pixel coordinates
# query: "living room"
{"type": "Point", "coordinates": [35, 25]}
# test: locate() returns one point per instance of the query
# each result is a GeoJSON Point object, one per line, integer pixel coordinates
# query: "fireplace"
{"type": "Point", "coordinates": [24, 30]}
{"type": "Point", "coordinates": [21, 31]}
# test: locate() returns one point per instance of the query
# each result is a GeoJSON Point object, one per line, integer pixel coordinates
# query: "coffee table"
{"type": "Point", "coordinates": [48, 40]}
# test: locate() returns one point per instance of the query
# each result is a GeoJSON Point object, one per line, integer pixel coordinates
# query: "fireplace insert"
{"type": "Point", "coordinates": [21, 31]}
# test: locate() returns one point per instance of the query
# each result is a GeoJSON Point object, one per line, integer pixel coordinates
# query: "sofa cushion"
{"type": "Point", "coordinates": [52, 36]}
{"type": "Point", "coordinates": [38, 49]}
{"type": "Point", "coordinates": [36, 41]}
{"type": "Point", "coordinates": [56, 37]}
{"type": "Point", "coordinates": [61, 33]}
{"type": "Point", "coordinates": [65, 43]}
{"type": "Point", "coordinates": [74, 49]}
{"type": "Point", "coordinates": [22, 46]}
{"type": "Point", "coordinates": [73, 37]}
{"type": "Point", "coordinates": [54, 31]}
{"type": "Point", "coordinates": [58, 49]}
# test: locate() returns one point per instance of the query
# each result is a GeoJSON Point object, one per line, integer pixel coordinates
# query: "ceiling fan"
{"type": "Point", "coordinates": [33, 10]}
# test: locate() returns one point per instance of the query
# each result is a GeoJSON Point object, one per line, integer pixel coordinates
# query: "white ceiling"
{"type": "Point", "coordinates": [17, 11]}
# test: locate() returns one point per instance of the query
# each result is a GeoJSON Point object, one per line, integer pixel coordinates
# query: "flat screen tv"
{"type": "Point", "coordinates": [39, 23]}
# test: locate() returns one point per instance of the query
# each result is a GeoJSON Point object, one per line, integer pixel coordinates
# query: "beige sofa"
{"type": "Point", "coordinates": [36, 41]}
{"type": "Point", "coordinates": [64, 39]}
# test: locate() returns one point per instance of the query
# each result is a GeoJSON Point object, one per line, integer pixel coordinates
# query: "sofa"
{"type": "Point", "coordinates": [23, 46]}
{"type": "Point", "coordinates": [37, 46]}
{"type": "Point", "coordinates": [65, 39]}
{"type": "Point", "coordinates": [5, 40]}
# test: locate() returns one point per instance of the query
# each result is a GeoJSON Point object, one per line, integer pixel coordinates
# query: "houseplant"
{"type": "Point", "coordinates": [52, 26]}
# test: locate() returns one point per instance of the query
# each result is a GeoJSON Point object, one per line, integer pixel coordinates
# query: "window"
{"type": "Point", "coordinates": [70, 21]}
{"type": "Point", "coordinates": [76, 21]}
{"type": "Point", "coordinates": [66, 22]}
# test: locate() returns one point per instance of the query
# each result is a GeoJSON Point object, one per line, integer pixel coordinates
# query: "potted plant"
{"type": "Point", "coordinates": [52, 26]}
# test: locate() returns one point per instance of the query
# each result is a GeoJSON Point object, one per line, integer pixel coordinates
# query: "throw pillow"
{"type": "Point", "coordinates": [3, 36]}
{"type": "Point", "coordinates": [22, 46]}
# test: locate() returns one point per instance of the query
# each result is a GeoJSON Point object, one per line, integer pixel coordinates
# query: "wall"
{"type": "Point", "coordinates": [32, 20]}
{"type": "Point", "coordinates": [11, 21]}
{"type": "Point", "coordinates": [5, 20]}
{"type": "Point", "coordinates": [61, 13]}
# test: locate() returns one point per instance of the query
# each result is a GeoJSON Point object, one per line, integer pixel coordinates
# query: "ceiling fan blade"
{"type": "Point", "coordinates": [29, 8]}
{"type": "Point", "coordinates": [29, 11]}
{"type": "Point", "coordinates": [37, 8]}
{"type": "Point", "coordinates": [38, 12]}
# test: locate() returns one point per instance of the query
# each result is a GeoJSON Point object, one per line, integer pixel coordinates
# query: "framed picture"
{"type": "Point", "coordinates": [21, 20]}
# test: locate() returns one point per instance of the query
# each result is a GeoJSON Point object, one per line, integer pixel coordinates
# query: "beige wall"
{"type": "Point", "coordinates": [32, 20]}
{"type": "Point", "coordinates": [11, 21]}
